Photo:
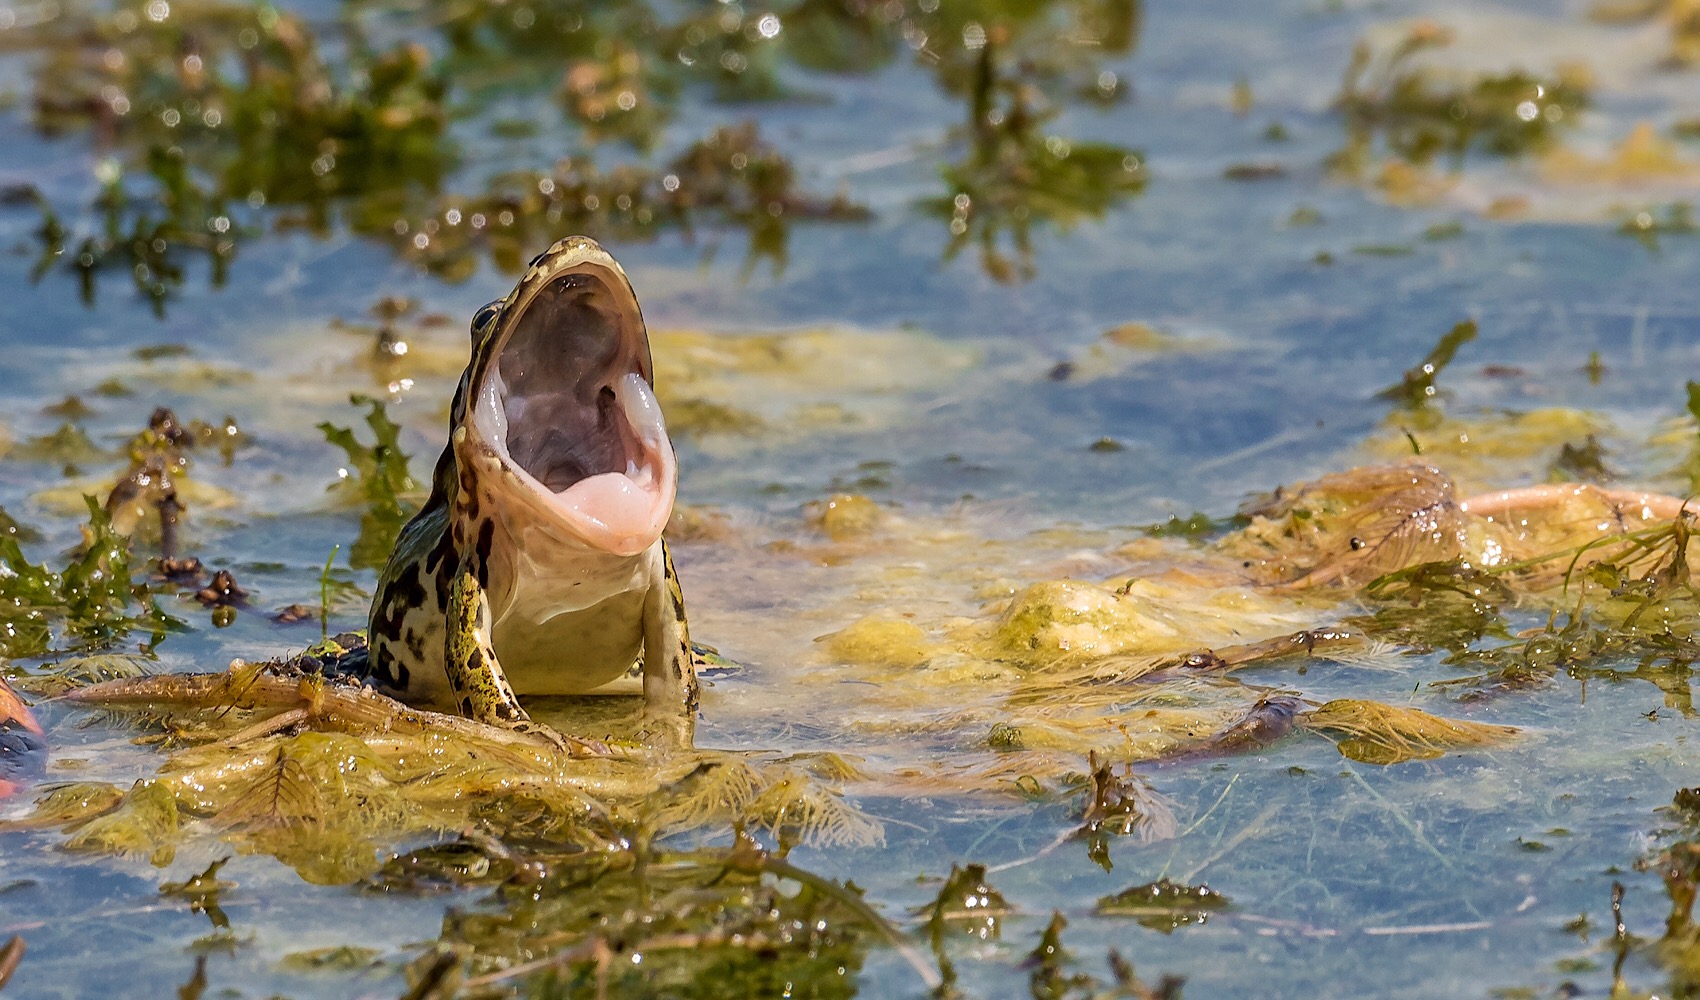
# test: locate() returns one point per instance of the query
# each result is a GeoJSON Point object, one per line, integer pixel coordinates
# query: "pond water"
{"type": "Point", "coordinates": [1028, 277]}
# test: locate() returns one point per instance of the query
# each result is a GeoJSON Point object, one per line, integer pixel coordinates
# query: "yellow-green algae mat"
{"type": "Point", "coordinates": [1010, 686]}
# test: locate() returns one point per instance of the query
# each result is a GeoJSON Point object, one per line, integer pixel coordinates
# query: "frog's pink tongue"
{"type": "Point", "coordinates": [625, 512]}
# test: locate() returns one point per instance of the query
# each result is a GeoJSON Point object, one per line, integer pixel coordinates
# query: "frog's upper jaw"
{"type": "Point", "coordinates": [565, 406]}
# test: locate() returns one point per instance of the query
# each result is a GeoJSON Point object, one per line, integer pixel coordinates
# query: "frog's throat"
{"type": "Point", "coordinates": [566, 408]}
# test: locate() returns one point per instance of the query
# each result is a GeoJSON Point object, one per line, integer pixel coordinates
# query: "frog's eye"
{"type": "Point", "coordinates": [484, 318]}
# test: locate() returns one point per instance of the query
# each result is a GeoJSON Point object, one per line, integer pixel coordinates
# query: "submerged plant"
{"type": "Point", "coordinates": [1437, 605]}
{"type": "Point", "coordinates": [1681, 16]}
{"type": "Point", "coordinates": [225, 119]}
{"type": "Point", "coordinates": [1416, 386]}
{"type": "Point", "coordinates": [1674, 857]}
{"type": "Point", "coordinates": [1120, 805]}
{"type": "Point", "coordinates": [1015, 176]}
{"type": "Point", "coordinates": [1418, 114]}
{"type": "Point", "coordinates": [89, 604]}
{"type": "Point", "coordinates": [1649, 229]}
{"type": "Point", "coordinates": [1691, 467]}
{"type": "Point", "coordinates": [730, 178]}
{"type": "Point", "coordinates": [378, 478]}
{"type": "Point", "coordinates": [1047, 978]}
{"type": "Point", "coordinates": [720, 922]}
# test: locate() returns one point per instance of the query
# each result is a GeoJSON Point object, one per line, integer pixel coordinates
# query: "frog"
{"type": "Point", "coordinates": [538, 566]}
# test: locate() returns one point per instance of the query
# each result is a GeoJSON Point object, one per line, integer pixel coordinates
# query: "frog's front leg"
{"type": "Point", "coordinates": [669, 672]}
{"type": "Point", "coordinates": [480, 688]}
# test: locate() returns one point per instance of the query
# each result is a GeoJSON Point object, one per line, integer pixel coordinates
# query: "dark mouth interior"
{"type": "Point", "coordinates": [560, 363]}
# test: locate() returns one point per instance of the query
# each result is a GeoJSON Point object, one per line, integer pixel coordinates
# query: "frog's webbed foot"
{"type": "Point", "coordinates": [663, 730]}
{"type": "Point", "coordinates": [480, 688]}
{"type": "Point", "coordinates": [572, 746]}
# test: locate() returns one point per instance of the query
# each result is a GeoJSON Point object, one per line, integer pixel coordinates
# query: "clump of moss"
{"type": "Point", "coordinates": [880, 640]}
{"type": "Point", "coordinates": [1060, 620]}
{"type": "Point", "coordinates": [845, 516]}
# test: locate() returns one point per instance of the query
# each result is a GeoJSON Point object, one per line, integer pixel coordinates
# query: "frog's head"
{"type": "Point", "coordinates": [560, 418]}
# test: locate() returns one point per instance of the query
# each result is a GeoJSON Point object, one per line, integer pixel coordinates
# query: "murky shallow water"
{"type": "Point", "coordinates": [1449, 877]}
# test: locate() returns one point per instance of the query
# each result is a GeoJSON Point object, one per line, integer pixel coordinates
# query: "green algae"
{"type": "Point", "coordinates": [844, 516]}
{"type": "Point", "coordinates": [1063, 619]}
{"type": "Point", "coordinates": [326, 799]}
{"type": "Point", "coordinates": [880, 641]}
{"type": "Point", "coordinates": [744, 390]}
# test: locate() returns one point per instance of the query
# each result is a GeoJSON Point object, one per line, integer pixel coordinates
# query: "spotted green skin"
{"type": "Point", "coordinates": [430, 629]}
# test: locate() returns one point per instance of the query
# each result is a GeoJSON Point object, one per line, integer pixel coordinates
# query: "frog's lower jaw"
{"type": "Point", "coordinates": [621, 511]}
{"type": "Point", "coordinates": [585, 442]}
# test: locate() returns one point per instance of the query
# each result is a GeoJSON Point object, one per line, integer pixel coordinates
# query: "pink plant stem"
{"type": "Point", "coordinates": [1631, 504]}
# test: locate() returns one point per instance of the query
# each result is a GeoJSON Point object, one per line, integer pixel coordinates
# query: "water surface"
{"type": "Point", "coordinates": [1285, 295]}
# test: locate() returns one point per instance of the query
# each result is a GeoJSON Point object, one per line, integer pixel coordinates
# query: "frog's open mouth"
{"type": "Point", "coordinates": [567, 402]}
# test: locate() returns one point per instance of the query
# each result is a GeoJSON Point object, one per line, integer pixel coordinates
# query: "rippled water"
{"type": "Point", "coordinates": [1451, 877]}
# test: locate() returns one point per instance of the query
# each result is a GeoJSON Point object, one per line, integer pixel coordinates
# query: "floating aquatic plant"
{"type": "Point", "coordinates": [1164, 905]}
